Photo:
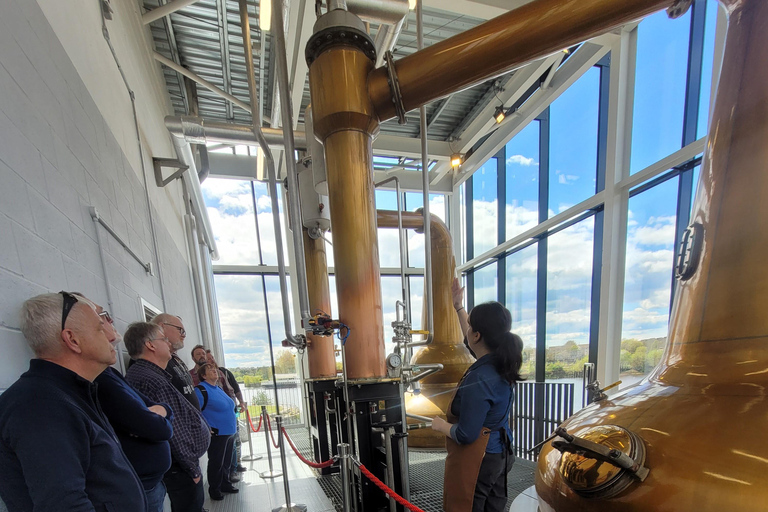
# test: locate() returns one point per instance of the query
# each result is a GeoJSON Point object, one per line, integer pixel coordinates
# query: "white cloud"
{"type": "Point", "coordinates": [521, 160]}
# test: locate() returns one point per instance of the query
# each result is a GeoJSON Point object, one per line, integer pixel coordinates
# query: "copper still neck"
{"type": "Point", "coordinates": [718, 329]}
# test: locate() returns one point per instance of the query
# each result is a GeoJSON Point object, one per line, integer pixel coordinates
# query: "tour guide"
{"type": "Point", "coordinates": [478, 436]}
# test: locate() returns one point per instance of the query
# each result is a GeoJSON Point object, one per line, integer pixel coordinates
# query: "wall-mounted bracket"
{"type": "Point", "coordinates": [159, 163]}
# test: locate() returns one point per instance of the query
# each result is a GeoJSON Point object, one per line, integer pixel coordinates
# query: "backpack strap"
{"type": "Point", "coordinates": [203, 392]}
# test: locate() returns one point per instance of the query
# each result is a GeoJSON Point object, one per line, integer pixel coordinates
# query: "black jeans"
{"type": "Point", "coordinates": [219, 459]}
{"type": "Point", "coordinates": [184, 493]}
{"type": "Point", "coordinates": [491, 486]}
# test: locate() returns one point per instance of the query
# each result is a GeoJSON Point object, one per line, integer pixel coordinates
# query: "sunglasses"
{"type": "Point", "coordinates": [106, 316]}
{"type": "Point", "coordinates": [182, 331]}
{"type": "Point", "coordinates": [69, 302]}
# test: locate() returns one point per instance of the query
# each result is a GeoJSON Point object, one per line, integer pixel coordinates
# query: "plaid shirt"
{"type": "Point", "coordinates": [191, 433]}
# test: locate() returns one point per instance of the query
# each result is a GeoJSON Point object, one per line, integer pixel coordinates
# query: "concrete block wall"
{"type": "Point", "coordinates": [68, 142]}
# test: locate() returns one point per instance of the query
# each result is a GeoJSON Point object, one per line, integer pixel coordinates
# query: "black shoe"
{"type": "Point", "coordinates": [241, 469]}
{"type": "Point", "coordinates": [216, 497]}
{"type": "Point", "coordinates": [230, 490]}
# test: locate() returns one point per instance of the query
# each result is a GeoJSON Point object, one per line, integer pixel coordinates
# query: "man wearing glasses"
{"type": "Point", "coordinates": [173, 329]}
{"type": "Point", "coordinates": [148, 345]}
{"type": "Point", "coordinates": [61, 453]}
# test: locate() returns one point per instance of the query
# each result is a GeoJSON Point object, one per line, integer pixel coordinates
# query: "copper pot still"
{"type": "Point", "coordinates": [701, 414]}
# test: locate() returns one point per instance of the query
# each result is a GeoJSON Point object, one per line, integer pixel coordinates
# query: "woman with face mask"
{"type": "Point", "coordinates": [478, 434]}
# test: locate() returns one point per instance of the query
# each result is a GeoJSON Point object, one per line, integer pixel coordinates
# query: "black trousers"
{"type": "Point", "coordinates": [184, 493]}
{"type": "Point", "coordinates": [219, 459]}
{"type": "Point", "coordinates": [491, 486]}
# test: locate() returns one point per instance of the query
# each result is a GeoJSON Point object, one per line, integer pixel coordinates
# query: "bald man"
{"type": "Point", "coordinates": [57, 449]}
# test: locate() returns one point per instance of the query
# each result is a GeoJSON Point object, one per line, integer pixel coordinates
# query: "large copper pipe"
{"type": "Point", "coordinates": [701, 413]}
{"type": "Point", "coordinates": [447, 346]}
{"type": "Point", "coordinates": [321, 356]}
{"type": "Point", "coordinates": [529, 32]}
{"type": "Point", "coordinates": [344, 120]}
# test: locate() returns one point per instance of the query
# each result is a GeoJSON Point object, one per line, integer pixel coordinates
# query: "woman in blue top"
{"type": "Point", "coordinates": [478, 436]}
{"type": "Point", "coordinates": [219, 411]}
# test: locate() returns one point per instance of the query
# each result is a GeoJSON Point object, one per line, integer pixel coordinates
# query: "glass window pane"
{"type": "Point", "coordinates": [648, 279]}
{"type": "Point", "coordinates": [573, 123]}
{"type": "Point", "coordinates": [230, 210]}
{"type": "Point", "coordinates": [417, 301]}
{"type": "Point", "coordinates": [696, 175]}
{"type": "Point", "coordinates": [706, 68]}
{"type": "Point", "coordinates": [484, 207]}
{"type": "Point", "coordinates": [569, 288]}
{"type": "Point", "coordinates": [462, 205]}
{"type": "Point", "coordinates": [243, 322]}
{"type": "Point", "coordinates": [521, 302]}
{"type": "Point", "coordinates": [522, 167]}
{"type": "Point", "coordinates": [660, 80]}
{"type": "Point", "coordinates": [486, 284]}
{"type": "Point", "coordinates": [390, 293]}
{"type": "Point", "coordinates": [389, 245]}
{"type": "Point", "coordinates": [414, 201]}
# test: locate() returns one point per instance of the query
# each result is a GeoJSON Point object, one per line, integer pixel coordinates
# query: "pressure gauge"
{"type": "Point", "coordinates": [394, 361]}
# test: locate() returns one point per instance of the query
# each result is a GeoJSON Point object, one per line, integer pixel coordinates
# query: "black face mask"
{"type": "Point", "coordinates": [466, 344]}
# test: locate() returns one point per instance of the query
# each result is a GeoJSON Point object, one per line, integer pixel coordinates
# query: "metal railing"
{"type": "Point", "coordinates": [290, 397]}
{"type": "Point", "coordinates": [539, 408]}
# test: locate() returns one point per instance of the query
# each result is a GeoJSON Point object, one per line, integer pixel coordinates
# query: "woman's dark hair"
{"type": "Point", "coordinates": [204, 368]}
{"type": "Point", "coordinates": [493, 322]}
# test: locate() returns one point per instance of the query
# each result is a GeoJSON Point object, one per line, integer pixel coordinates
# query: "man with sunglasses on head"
{"type": "Point", "coordinates": [61, 453]}
{"type": "Point", "coordinates": [173, 328]}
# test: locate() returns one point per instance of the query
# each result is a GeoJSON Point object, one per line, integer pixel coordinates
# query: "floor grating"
{"type": "Point", "coordinates": [427, 467]}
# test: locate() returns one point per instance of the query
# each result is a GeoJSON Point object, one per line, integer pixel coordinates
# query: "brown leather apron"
{"type": "Point", "coordinates": [462, 465]}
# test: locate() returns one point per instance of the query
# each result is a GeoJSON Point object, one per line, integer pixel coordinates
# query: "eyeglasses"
{"type": "Point", "coordinates": [164, 338]}
{"type": "Point", "coordinates": [182, 331]}
{"type": "Point", "coordinates": [106, 316]}
{"type": "Point", "coordinates": [69, 302]}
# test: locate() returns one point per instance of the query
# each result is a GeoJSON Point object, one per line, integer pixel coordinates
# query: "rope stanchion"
{"type": "Point", "coordinates": [271, 435]}
{"type": "Point", "coordinates": [250, 422]}
{"type": "Point", "coordinates": [316, 465]}
{"type": "Point", "coordinates": [389, 492]}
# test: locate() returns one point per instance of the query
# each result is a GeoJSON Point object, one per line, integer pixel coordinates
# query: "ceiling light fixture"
{"type": "Point", "coordinates": [265, 15]}
{"type": "Point", "coordinates": [411, 4]}
{"type": "Point", "coordinates": [499, 114]}
{"type": "Point", "coordinates": [456, 160]}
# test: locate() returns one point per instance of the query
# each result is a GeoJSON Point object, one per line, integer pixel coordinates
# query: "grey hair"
{"type": "Point", "coordinates": [164, 318]}
{"type": "Point", "coordinates": [136, 335]}
{"type": "Point", "coordinates": [41, 322]}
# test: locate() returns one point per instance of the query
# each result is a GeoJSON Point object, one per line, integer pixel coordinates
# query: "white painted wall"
{"type": "Point", "coordinates": [67, 142]}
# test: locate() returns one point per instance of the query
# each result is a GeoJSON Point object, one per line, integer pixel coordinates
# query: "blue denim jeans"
{"type": "Point", "coordinates": [156, 497]}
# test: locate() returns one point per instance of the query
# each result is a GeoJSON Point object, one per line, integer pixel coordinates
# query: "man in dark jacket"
{"type": "Point", "coordinates": [70, 459]}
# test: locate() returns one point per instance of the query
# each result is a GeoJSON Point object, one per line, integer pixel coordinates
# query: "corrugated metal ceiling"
{"type": "Point", "coordinates": [207, 40]}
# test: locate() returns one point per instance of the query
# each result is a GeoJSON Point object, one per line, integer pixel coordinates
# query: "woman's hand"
{"type": "Point", "coordinates": [457, 294]}
{"type": "Point", "coordinates": [442, 426]}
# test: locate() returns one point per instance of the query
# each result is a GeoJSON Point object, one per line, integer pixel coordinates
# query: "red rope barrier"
{"type": "Point", "coordinates": [271, 435]}
{"type": "Point", "coordinates": [389, 492]}
{"type": "Point", "coordinates": [254, 430]}
{"type": "Point", "coordinates": [316, 465]}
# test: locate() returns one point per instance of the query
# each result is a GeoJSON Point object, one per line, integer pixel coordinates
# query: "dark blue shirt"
{"type": "Point", "coordinates": [57, 449]}
{"type": "Point", "coordinates": [143, 434]}
{"type": "Point", "coordinates": [219, 412]}
{"type": "Point", "coordinates": [484, 399]}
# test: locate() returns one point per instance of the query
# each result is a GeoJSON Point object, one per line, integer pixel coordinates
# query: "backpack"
{"type": "Point", "coordinates": [203, 392]}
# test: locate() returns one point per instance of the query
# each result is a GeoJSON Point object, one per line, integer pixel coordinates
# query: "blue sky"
{"type": "Point", "coordinates": [657, 132]}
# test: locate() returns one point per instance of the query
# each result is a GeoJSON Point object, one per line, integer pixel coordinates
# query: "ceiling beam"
{"type": "Point", "coordinates": [521, 81]}
{"type": "Point", "coordinates": [579, 63]}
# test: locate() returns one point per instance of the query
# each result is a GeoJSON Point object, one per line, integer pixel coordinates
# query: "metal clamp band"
{"type": "Point", "coordinates": [394, 85]}
{"type": "Point", "coordinates": [678, 8]}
